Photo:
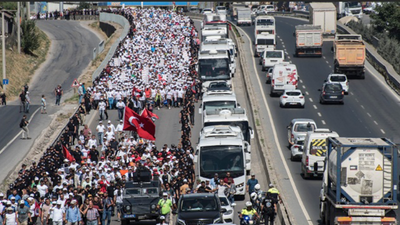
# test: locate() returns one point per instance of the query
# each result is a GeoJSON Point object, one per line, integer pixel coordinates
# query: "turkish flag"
{"type": "Point", "coordinates": [67, 155]}
{"type": "Point", "coordinates": [148, 114]}
{"type": "Point", "coordinates": [143, 126]}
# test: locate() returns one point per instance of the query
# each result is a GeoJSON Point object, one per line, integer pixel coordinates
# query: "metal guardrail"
{"type": "Point", "coordinates": [109, 17]}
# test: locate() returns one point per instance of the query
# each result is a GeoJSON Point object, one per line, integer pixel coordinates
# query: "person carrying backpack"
{"type": "Point", "coordinates": [268, 208]}
{"type": "Point", "coordinates": [24, 126]}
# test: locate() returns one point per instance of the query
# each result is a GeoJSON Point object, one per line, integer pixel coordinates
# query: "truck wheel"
{"type": "Point", "coordinates": [362, 76]}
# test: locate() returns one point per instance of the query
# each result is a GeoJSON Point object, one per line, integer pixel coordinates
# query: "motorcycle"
{"type": "Point", "coordinates": [248, 220]}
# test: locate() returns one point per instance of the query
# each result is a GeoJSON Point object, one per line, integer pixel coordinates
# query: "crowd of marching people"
{"type": "Point", "coordinates": [81, 177]}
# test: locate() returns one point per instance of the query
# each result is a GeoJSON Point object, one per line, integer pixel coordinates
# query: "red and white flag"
{"type": "Point", "coordinates": [67, 155]}
{"type": "Point", "coordinates": [143, 126]}
{"type": "Point", "coordinates": [148, 114]}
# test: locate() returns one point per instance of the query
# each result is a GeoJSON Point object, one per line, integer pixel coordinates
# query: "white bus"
{"type": "Point", "coordinates": [264, 24]}
{"type": "Point", "coordinates": [221, 149]}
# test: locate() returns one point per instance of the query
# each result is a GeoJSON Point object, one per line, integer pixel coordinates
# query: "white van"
{"type": "Point", "coordinates": [284, 77]}
{"type": "Point", "coordinates": [270, 58]}
{"type": "Point", "coordinates": [314, 152]}
{"type": "Point", "coordinates": [264, 41]}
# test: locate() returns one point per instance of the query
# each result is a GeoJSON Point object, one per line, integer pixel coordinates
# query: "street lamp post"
{"type": "Point", "coordinates": [3, 45]}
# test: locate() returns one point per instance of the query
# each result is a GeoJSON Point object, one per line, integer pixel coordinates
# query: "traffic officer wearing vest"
{"type": "Point", "coordinates": [274, 193]}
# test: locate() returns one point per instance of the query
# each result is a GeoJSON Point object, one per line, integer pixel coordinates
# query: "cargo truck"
{"type": "Point", "coordinates": [323, 14]}
{"type": "Point", "coordinates": [308, 40]}
{"type": "Point", "coordinates": [244, 16]}
{"type": "Point", "coordinates": [360, 182]}
{"type": "Point", "coordinates": [349, 55]}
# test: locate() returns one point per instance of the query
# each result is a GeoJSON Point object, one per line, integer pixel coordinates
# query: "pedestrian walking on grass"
{"type": "Point", "coordinates": [58, 92]}
{"type": "Point", "coordinates": [24, 126]}
{"type": "Point", "coordinates": [43, 105]}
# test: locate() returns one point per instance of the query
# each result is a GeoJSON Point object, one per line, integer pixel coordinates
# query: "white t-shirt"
{"type": "Point", "coordinates": [102, 105]}
{"type": "Point", "coordinates": [57, 214]}
{"type": "Point", "coordinates": [42, 188]}
{"type": "Point", "coordinates": [100, 128]}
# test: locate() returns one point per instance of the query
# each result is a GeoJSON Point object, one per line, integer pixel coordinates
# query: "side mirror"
{"type": "Point", "coordinates": [319, 89]}
{"type": "Point", "coordinates": [238, 105]}
{"type": "Point", "coordinates": [233, 204]}
{"type": "Point", "coordinates": [223, 210]}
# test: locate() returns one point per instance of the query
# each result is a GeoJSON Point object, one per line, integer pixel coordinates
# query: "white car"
{"type": "Point", "coordinates": [206, 10]}
{"type": "Point", "coordinates": [297, 149]}
{"type": "Point", "coordinates": [226, 204]}
{"type": "Point", "coordinates": [338, 78]}
{"type": "Point", "coordinates": [292, 98]}
{"type": "Point", "coordinates": [271, 57]}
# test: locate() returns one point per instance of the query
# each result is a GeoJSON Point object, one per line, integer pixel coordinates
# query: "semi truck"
{"type": "Point", "coordinates": [244, 16]}
{"type": "Point", "coordinates": [324, 15]}
{"type": "Point", "coordinates": [349, 55]}
{"type": "Point", "coordinates": [308, 40]}
{"type": "Point", "coordinates": [348, 9]}
{"type": "Point", "coordinates": [360, 182]}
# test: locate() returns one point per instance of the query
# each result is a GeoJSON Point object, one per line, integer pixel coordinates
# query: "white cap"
{"type": "Point", "coordinates": [185, 181]}
{"type": "Point", "coordinates": [1, 195]}
{"type": "Point", "coordinates": [21, 202]}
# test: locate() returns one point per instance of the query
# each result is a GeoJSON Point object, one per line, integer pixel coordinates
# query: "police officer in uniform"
{"type": "Point", "coordinates": [268, 208]}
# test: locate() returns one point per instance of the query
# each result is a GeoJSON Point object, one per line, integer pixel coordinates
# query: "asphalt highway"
{"type": "Point", "coordinates": [370, 109]}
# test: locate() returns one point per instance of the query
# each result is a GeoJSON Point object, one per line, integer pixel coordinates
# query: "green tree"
{"type": "Point", "coordinates": [388, 19]}
{"type": "Point", "coordinates": [8, 5]}
{"type": "Point", "coordinates": [30, 38]}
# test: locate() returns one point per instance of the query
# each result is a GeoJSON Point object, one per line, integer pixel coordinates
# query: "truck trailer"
{"type": "Point", "coordinates": [308, 40]}
{"type": "Point", "coordinates": [360, 182]}
{"type": "Point", "coordinates": [323, 14]}
{"type": "Point", "coordinates": [349, 55]}
{"type": "Point", "coordinates": [244, 16]}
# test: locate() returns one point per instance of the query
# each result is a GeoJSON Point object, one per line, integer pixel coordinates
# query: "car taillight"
{"type": "Point", "coordinates": [301, 97]}
{"type": "Point", "coordinates": [342, 92]}
{"type": "Point", "coordinates": [284, 96]}
{"type": "Point", "coordinates": [307, 161]}
{"type": "Point", "coordinates": [273, 82]}
{"type": "Point", "coordinates": [323, 92]}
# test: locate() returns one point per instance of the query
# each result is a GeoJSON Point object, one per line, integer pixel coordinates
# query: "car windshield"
{"type": "Point", "coordinates": [304, 127]}
{"type": "Point", "coordinates": [224, 201]}
{"type": "Point", "coordinates": [293, 93]}
{"type": "Point", "coordinates": [338, 78]}
{"type": "Point", "coordinates": [300, 142]}
{"type": "Point", "coordinates": [150, 191]}
{"type": "Point", "coordinates": [220, 8]}
{"type": "Point", "coordinates": [199, 204]}
{"type": "Point", "coordinates": [133, 191]}
{"type": "Point", "coordinates": [218, 86]}
{"type": "Point", "coordinates": [219, 105]}
{"type": "Point", "coordinates": [221, 159]}
{"type": "Point", "coordinates": [265, 42]}
{"type": "Point", "coordinates": [270, 54]}
{"type": "Point", "coordinates": [265, 22]}
{"type": "Point", "coordinates": [214, 69]}
{"type": "Point", "coordinates": [333, 87]}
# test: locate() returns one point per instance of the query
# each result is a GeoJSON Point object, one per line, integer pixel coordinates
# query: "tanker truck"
{"type": "Point", "coordinates": [359, 182]}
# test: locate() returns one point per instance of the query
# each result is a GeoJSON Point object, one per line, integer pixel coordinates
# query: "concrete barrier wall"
{"type": "Point", "coordinates": [108, 17]}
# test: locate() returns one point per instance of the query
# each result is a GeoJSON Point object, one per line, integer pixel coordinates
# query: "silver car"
{"type": "Point", "coordinates": [297, 149]}
{"type": "Point", "coordinates": [299, 127]}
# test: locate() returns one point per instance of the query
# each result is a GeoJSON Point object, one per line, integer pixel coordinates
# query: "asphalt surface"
{"type": "Point", "coordinates": [71, 49]}
{"type": "Point", "coordinates": [370, 109]}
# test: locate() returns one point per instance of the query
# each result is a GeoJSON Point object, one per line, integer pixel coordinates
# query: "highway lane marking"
{"type": "Point", "coordinates": [323, 57]}
{"type": "Point", "coordinates": [357, 101]}
{"type": "Point", "coordinates": [319, 114]}
{"type": "Point", "coordinates": [369, 115]}
{"type": "Point", "coordinates": [307, 93]}
{"type": "Point", "coordinates": [315, 107]}
{"type": "Point", "coordinates": [283, 45]}
{"type": "Point", "coordinates": [330, 66]}
{"type": "Point", "coordinates": [295, 190]}
{"type": "Point", "coordinates": [351, 93]}
{"type": "Point", "coordinates": [383, 132]}
{"type": "Point", "coordinates": [283, 42]}
{"type": "Point", "coordinates": [361, 105]}
{"type": "Point", "coordinates": [301, 81]}
{"type": "Point", "coordinates": [375, 122]}
{"type": "Point", "coordinates": [327, 61]}
{"type": "Point", "coordinates": [311, 100]}
{"type": "Point", "coordinates": [288, 57]}
{"type": "Point", "coordinates": [304, 87]}
{"type": "Point", "coordinates": [323, 122]}
{"type": "Point", "coordinates": [19, 133]}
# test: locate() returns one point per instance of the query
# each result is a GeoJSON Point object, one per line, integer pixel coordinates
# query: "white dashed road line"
{"type": "Point", "coordinates": [315, 107]}
{"type": "Point", "coordinates": [369, 115]}
{"type": "Point", "coordinates": [383, 132]}
{"type": "Point", "coordinates": [301, 81]}
{"type": "Point", "coordinates": [361, 105]}
{"type": "Point", "coordinates": [323, 122]}
{"type": "Point", "coordinates": [311, 100]}
{"type": "Point", "coordinates": [307, 93]}
{"type": "Point", "coordinates": [304, 87]}
{"type": "Point", "coordinates": [375, 122]}
{"type": "Point", "coordinates": [319, 114]}
{"type": "Point", "coordinates": [327, 61]}
{"type": "Point", "coordinates": [323, 57]}
{"type": "Point", "coordinates": [351, 93]}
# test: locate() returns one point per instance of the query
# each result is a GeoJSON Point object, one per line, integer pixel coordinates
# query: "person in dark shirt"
{"type": "Point", "coordinates": [22, 101]}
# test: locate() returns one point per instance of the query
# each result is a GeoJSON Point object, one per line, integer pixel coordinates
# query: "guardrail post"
{"type": "Point", "coordinates": [94, 53]}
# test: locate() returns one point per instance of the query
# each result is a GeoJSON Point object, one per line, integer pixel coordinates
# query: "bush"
{"type": "Point", "coordinates": [30, 38]}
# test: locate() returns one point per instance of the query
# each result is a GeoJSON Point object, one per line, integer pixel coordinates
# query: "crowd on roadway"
{"type": "Point", "coordinates": [81, 177]}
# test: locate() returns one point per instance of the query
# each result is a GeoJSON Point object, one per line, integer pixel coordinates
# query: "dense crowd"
{"type": "Point", "coordinates": [83, 175]}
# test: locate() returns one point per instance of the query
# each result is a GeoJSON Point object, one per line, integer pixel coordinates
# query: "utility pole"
{"type": "Point", "coordinates": [19, 27]}
{"type": "Point", "coordinates": [28, 10]}
{"type": "Point", "coordinates": [3, 45]}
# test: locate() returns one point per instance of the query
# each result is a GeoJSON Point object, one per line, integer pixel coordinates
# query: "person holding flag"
{"type": "Point", "coordinates": [143, 126]}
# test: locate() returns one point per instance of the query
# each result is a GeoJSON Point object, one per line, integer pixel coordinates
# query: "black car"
{"type": "Point", "coordinates": [140, 199]}
{"type": "Point", "coordinates": [331, 92]}
{"type": "Point", "coordinates": [199, 209]}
